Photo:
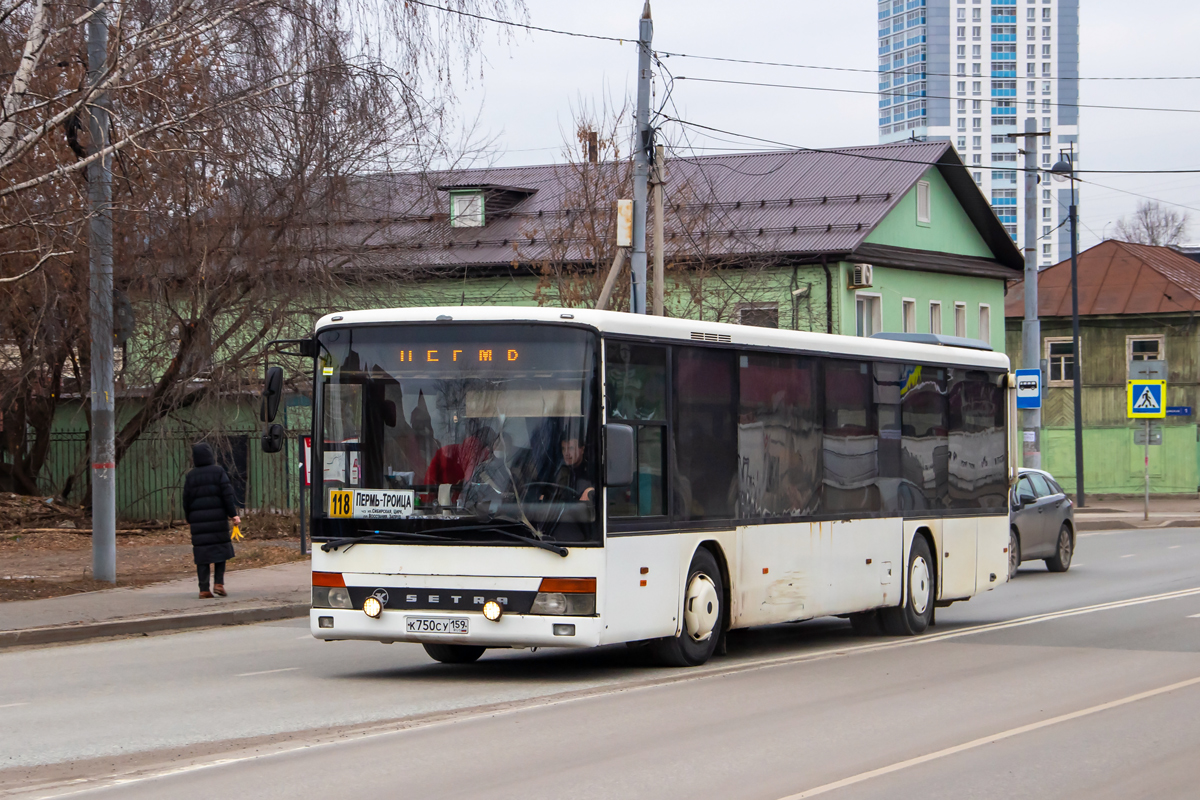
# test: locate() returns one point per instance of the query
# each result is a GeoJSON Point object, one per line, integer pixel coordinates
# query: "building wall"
{"type": "Point", "coordinates": [940, 92]}
{"type": "Point", "coordinates": [1112, 462]}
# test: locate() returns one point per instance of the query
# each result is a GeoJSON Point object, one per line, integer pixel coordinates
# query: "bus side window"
{"type": "Point", "coordinates": [704, 458]}
{"type": "Point", "coordinates": [851, 439]}
{"type": "Point", "coordinates": [635, 388]}
{"type": "Point", "coordinates": [779, 435]}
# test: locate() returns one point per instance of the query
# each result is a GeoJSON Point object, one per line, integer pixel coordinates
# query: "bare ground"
{"type": "Point", "coordinates": [46, 549]}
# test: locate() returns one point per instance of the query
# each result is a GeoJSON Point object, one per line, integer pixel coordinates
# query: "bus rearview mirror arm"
{"type": "Point", "coordinates": [620, 456]}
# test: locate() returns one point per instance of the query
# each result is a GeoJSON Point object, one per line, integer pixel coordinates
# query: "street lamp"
{"type": "Point", "coordinates": [1064, 170]}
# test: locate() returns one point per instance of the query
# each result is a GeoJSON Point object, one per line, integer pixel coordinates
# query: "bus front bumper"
{"type": "Point", "coordinates": [511, 630]}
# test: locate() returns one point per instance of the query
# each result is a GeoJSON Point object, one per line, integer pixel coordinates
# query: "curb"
{"type": "Point", "coordinates": [145, 625]}
{"type": "Point", "coordinates": [1126, 525]}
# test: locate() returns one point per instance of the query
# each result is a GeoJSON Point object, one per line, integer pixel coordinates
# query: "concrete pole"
{"type": "Point", "coordinates": [641, 166]}
{"type": "Point", "coordinates": [660, 241]}
{"type": "Point", "coordinates": [1077, 383]}
{"type": "Point", "coordinates": [1031, 326]}
{"type": "Point", "coordinates": [100, 295]}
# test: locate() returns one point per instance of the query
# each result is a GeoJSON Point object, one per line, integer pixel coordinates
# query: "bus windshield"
{"type": "Point", "coordinates": [459, 432]}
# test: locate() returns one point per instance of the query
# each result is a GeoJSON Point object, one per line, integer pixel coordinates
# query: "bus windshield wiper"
{"type": "Point", "coordinates": [553, 548]}
{"type": "Point", "coordinates": [380, 536]}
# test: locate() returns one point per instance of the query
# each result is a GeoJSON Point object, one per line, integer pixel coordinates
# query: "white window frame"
{"type": "Point", "coordinates": [985, 325]}
{"type": "Point", "coordinates": [460, 220]}
{"type": "Point", "coordinates": [1157, 337]}
{"type": "Point", "coordinates": [924, 203]}
{"type": "Point", "coordinates": [908, 315]}
{"type": "Point", "coordinates": [1049, 340]}
{"type": "Point", "coordinates": [935, 316]}
{"type": "Point", "coordinates": [960, 316]}
{"type": "Point", "coordinates": [876, 303]}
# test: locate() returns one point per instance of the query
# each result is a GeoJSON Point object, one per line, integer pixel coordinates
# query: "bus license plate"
{"type": "Point", "coordinates": [454, 625]}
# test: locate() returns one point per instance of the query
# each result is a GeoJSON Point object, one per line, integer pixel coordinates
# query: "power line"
{"type": "Point", "coordinates": [876, 72]}
{"type": "Point", "coordinates": [870, 157]}
{"type": "Point", "coordinates": [512, 24]}
{"type": "Point", "coordinates": [993, 101]}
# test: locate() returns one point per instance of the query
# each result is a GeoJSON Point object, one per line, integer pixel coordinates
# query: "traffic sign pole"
{"type": "Point", "coordinates": [1146, 505]}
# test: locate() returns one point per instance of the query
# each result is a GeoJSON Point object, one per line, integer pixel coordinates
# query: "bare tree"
{"type": "Point", "coordinates": [1154, 224]}
{"type": "Point", "coordinates": [236, 128]}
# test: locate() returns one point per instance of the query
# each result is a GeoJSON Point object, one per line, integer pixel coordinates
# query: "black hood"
{"type": "Point", "coordinates": [202, 454]}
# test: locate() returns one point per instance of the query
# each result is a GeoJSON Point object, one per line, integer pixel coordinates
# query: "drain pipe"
{"type": "Point", "coordinates": [828, 295]}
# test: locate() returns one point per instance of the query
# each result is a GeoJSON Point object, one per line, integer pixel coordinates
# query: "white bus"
{"type": "Point", "coordinates": [532, 477]}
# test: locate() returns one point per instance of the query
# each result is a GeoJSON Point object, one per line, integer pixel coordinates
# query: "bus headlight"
{"type": "Point", "coordinates": [559, 603]}
{"type": "Point", "coordinates": [372, 607]}
{"type": "Point", "coordinates": [573, 597]}
{"type": "Point", "coordinates": [492, 610]}
{"type": "Point", "coordinates": [331, 597]}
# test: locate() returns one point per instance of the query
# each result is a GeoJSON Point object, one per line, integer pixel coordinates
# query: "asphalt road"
{"type": "Point", "coordinates": [1085, 684]}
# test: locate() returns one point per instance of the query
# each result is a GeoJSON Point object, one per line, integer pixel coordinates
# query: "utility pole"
{"type": "Point", "coordinates": [641, 166]}
{"type": "Point", "coordinates": [1031, 326]}
{"type": "Point", "coordinates": [100, 307]}
{"type": "Point", "coordinates": [659, 240]}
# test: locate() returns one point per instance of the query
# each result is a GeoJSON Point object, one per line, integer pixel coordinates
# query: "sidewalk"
{"type": "Point", "coordinates": [1108, 512]}
{"type": "Point", "coordinates": [255, 595]}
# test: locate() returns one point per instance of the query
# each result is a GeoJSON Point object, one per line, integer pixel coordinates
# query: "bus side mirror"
{"type": "Point", "coordinates": [273, 438]}
{"type": "Point", "coordinates": [620, 455]}
{"type": "Point", "coordinates": [272, 394]}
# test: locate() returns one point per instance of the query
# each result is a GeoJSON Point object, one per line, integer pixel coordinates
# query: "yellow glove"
{"type": "Point", "coordinates": [236, 535]}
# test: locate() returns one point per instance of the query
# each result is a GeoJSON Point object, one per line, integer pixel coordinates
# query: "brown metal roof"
{"type": "Point", "coordinates": [794, 202]}
{"type": "Point", "coordinates": [1115, 278]}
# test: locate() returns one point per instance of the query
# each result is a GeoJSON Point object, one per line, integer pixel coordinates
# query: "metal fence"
{"type": "Point", "coordinates": [150, 475]}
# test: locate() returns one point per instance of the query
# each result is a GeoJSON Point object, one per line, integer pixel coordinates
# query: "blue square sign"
{"type": "Point", "coordinates": [1029, 388]}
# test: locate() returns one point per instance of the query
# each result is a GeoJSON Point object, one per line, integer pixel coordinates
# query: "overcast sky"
{"type": "Point", "coordinates": [528, 88]}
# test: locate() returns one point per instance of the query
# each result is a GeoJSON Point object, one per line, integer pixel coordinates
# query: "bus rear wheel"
{"type": "Point", "coordinates": [703, 616]}
{"type": "Point", "coordinates": [917, 612]}
{"type": "Point", "coordinates": [454, 653]}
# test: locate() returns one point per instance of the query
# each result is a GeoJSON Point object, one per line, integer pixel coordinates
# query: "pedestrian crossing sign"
{"type": "Point", "coordinates": [1146, 399]}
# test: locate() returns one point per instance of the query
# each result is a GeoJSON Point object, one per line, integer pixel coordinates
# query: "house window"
{"type": "Point", "coordinates": [935, 317]}
{"type": "Point", "coordinates": [985, 323]}
{"type": "Point", "coordinates": [466, 210]}
{"type": "Point", "coordinates": [960, 319]}
{"type": "Point", "coordinates": [867, 314]}
{"type": "Point", "coordinates": [1145, 348]}
{"type": "Point", "coordinates": [908, 308]}
{"type": "Point", "coordinates": [924, 207]}
{"type": "Point", "coordinates": [760, 315]}
{"type": "Point", "coordinates": [1061, 354]}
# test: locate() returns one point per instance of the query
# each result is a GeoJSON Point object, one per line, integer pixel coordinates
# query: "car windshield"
{"type": "Point", "coordinates": [461, 431]}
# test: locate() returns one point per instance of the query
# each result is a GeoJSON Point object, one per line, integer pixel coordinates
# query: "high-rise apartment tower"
{"type": "Point", "coordinates": [971, 72]}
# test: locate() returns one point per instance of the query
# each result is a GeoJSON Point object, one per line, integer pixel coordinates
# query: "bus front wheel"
{"type": "Point", "coordinates": [454, 653]}
{"type": "Point", "coordinates": [917, 612]}
{"type": "Point", "coordinates": [703, 616]}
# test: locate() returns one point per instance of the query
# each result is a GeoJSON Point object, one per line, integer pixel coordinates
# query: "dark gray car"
{"type": "Point", "coordinates": [1041, 523]}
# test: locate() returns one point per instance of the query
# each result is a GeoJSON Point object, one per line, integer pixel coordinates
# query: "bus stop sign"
{"type": "Point", "coordinates": [1146, 399]}
{"type": "Point", "coordinates": [1029, 388]}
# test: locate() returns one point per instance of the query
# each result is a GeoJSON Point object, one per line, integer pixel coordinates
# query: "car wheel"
{"type": "Point", "coordinates": [454, 653]}
{"type": "Point", "coordinates": [1061, 560]}
{"type": "Point", "coordinates": [703, 616]}
{"type": "Point", "coordinates": [917, 612]}
{"type": "Point", "coordinates": [1014, 553]}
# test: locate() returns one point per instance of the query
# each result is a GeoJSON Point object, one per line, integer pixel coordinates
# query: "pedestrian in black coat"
{"type": "Point", "coordinates": [208, 505]}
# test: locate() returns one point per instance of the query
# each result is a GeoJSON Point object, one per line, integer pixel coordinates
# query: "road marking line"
{"type": "Point", "coordinates": [13, 705]}
{"type": "Point", "coordinates": [1190, 616]}
{"type": "Point", "coordinates": [1129, 555]}
{"type": "Point", "coordinates": [400, 726]}
{"type": "Point", "coordinates": [995, 737]}
{"type": "Point", "coordinates": [265, 672]}
{"type": "Point", "coordinates": [1175, 547]}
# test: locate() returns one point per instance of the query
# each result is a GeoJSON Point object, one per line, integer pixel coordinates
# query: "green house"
{"type": "Point", "coordinates": [1136, 303]}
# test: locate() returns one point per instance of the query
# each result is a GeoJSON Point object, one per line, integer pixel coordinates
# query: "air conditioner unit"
{"type": "Point", "coordinates": [861, 276]}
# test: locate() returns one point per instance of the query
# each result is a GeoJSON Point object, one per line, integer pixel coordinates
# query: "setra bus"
{"type": "Point", "coordinates": [533, 477]}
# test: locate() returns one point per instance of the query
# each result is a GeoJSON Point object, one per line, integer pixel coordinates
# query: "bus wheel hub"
{"type": "Point", "coordinates": [701, 608]}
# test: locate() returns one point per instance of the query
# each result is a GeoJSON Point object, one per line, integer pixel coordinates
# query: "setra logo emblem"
{"type": "Point", "coordinates": [382, 596]}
